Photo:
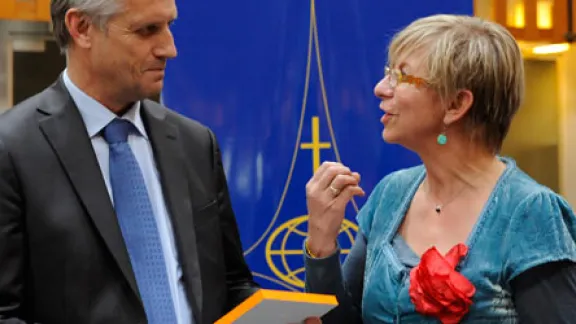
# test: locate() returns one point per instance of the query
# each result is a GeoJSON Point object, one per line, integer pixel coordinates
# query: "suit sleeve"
{"type": "Point", "coordinates": [12, 252]}
{"type": "Point", "coordinates": [239, 279]}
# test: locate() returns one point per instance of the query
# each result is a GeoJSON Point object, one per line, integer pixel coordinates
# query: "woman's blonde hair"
{"type": "Point", "coordinates": [463, 52]}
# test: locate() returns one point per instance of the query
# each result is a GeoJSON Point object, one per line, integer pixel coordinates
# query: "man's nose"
{"type": "Point", "coordinates": [167, 49]}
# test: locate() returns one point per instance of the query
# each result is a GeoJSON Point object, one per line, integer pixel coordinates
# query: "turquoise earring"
{"type": "Point", "coordinates": [442, 139]}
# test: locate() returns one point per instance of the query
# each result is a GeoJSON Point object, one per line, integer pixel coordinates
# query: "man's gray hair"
{"type": "Point", "coordinates": [98, 11]}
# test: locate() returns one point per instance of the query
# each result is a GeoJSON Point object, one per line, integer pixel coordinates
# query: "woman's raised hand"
{"type": "Point", "coordinates": [327, 193]}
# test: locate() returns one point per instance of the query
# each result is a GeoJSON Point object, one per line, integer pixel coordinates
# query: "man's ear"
{"type": "Point", "coordinates": [459, 106]}
{"type": "Point", "coordinates": [79, 26]}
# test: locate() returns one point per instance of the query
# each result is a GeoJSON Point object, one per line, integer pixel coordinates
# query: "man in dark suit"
{"type": "Point", "coordinates": [114, 209]}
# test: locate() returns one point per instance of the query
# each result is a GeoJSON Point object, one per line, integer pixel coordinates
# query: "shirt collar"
{"type": "Point", "coordinates": [95, 115]}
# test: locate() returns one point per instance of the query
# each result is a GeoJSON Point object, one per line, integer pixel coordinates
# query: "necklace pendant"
{"type": "Point", "coordinates": [438, 209]}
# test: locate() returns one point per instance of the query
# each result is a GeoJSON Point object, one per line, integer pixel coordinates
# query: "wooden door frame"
{"type": "Point", "coordinates": [10, 48]}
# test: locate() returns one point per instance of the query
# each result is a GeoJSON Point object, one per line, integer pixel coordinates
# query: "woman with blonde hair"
{"type": "Point", "coordinates": [466, 236]}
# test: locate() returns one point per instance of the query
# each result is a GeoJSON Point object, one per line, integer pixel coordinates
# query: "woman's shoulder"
{"type": "Point", "coordinates": [519, 189]}
{"type": "Point", "coordinates": [389, 195]}
{"type": "Point", "coordinates": [400, 179]}
{"type": "Point", "coordinates": [541, 224]}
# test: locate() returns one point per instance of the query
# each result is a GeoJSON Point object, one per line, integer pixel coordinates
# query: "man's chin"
{"type": "Point", "coordinates": [153, 91]}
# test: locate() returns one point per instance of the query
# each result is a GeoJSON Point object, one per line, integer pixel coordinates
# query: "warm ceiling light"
{"type": "Point", "coordinates": [515, 13]}
{"type": "Point", "coordinates": [544, 14]}
{"type": "Point", "coordinates": [551, 49]}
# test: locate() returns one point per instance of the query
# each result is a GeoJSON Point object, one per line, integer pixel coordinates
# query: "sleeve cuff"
{"type": "Point", "coordinates": [323, 275]}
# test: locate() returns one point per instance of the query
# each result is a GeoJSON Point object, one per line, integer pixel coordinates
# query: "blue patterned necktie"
{"type": "Point", "coordinates": [138, 225]}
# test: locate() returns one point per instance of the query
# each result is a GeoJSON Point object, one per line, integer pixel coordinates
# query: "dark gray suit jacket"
{"type": "Point", "coordinates": [62, 256]}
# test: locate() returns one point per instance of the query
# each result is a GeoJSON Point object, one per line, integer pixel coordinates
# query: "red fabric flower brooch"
{"type": "Point", "coordinates": [436, 289]}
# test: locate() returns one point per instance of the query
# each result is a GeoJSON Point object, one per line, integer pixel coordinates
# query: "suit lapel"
{"type": "Point", "coordinates": [168, 154]}
{"type": "Point", "coordinates": [64, 129]}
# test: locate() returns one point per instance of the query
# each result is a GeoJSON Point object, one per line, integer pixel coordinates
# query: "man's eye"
{"type": "Point", "coordinates": [148, 30]}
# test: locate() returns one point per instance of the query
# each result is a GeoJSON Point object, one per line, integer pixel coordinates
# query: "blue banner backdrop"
{"type": "Point", "coordinates": [286, 85]}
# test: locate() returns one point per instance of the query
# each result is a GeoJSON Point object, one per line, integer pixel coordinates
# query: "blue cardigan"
{"type": "Point", "coordinates": [523, 225]}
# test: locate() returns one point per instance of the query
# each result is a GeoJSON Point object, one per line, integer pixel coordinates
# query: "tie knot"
{"type": "Point", "coordinates": [117, 131]}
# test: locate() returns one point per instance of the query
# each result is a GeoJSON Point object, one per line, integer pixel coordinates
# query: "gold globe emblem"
{"type": "Point", "coordinates": [284, 248]}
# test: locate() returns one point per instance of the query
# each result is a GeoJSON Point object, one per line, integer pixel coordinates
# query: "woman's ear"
{"type": "Point", "coordinates": [459, 106]}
